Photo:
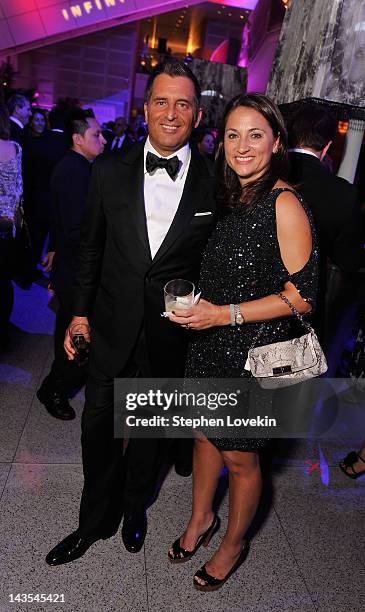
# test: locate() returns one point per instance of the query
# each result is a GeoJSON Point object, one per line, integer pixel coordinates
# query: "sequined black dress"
{"type": "Point", "coordinates": [242, 262]}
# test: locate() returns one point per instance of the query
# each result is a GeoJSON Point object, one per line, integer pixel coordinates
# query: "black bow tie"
{"type": "Point", "coordinates": [171, 165]}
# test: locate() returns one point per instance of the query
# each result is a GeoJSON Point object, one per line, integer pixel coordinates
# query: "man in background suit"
{"type": "Point", "coordinates": [40, 156]}
{"type": "Point", "coordinates": [121, 142]}
{"type": "Point", "coordinates": [56, 142]}
{"type": "Point", "coordinates": [19, 111]}
{"type": "Point", "coordinates": [56, 149]}
{"type": "Point", "coordinates": [69, 187]}
{"type": "Point", "coordinates": [143, 229]}
{"type": "Point", "coordinates": [336, 211]}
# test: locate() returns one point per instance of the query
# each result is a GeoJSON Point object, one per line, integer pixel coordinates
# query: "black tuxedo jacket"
{"type": "Point", "coordinates": [69, 188]}
{"type": "Point", "coordinates": [336, 211]}
{"type": "Point", "coordinates": [56, 147]}
{"type": "Point", "coordinates": [126, 146]}
{"type": "Point", "coordinates": [16, 132]}
{"type": "Point", "coordinates": [40, 156]}
{"type": "Point", "coordinates": [118, 284]}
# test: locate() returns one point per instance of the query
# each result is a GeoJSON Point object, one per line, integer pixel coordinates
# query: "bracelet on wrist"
{"type": "Point", "coordinates": [232, 314]}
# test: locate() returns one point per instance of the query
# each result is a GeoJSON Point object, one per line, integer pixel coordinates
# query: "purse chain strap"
{"type": "Point", "coordinates": [295, 313]}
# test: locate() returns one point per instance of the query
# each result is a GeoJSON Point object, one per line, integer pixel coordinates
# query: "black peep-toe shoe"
{"type": "Point", "coordinates": [348, 464]}
{"type": "Point", "coordinates": [178, 554]}
{"type": "Point", "coordinates": [212, 583]}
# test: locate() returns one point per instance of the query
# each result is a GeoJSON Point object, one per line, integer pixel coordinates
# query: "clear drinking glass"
{"type": "Point", "coordinates": [179, 294]}
{"type": "Point", "coordinates": [80, 338]}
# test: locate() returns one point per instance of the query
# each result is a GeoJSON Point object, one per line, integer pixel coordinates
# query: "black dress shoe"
{"type": "Point", "coordinates": [183, 470]}
{"type": "Point", "coordinates": [55, 403]}
{"type": "Point", "coordinates": [134, 532]}
{"type": "Point", "coordinates": [71, 548]}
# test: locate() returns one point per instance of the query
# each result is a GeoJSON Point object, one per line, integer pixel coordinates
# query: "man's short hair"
{"type": "Point", "coordinates": [312, 126]}
{"type": "Point", "coordinates": [56, 119]}
{"type": "Point", "coordinates": [16, 100]}
{"type": "Point", "coordinates": [4, 123]}
{"type": "Point", "coordinates": [76, 123]}
{"type": "Point", "coordinates": [174, 67]}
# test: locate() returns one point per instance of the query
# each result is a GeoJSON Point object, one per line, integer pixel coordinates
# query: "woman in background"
{"type": "Point", "coordinates": [38, 123]}
{"type": "Point", "coordinates": [206, 144]}
{"type": "Point", "coordinates": [204, 140]}
{"type": "Point", "coordinates": [11, 189]}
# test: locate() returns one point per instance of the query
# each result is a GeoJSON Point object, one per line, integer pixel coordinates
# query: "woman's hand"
{"type": "Point", "coordinates": [201, 316]}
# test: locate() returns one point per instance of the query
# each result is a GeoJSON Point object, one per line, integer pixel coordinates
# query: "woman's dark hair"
{"type": "Point", "coordinates": [230, 192]}
{"type": "Point", "coordinates": [202, 133]}
{"type": "Point", "coordinates": [39, 111]}
{"type": "Point", "coordinates": [4, 123]}
{"type": "Point", "coordinates": [198, 134]}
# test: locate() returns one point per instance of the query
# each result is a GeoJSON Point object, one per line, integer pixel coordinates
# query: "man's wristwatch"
{"type": "Point", "coordinates": [238, 316]}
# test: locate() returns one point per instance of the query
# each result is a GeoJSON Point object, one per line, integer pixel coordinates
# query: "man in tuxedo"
{"type": "Point", "coordinates": [56, 142]}
{"type": "Point", "coordinates": [19, 111]}
{"type": "Point", "coordinates": [40, 156]}
{"type": "Point", "coordinates": [121, 142]}
{"type": "Point", "coordinates": [69, 188]}
{"type": "Point", "coordinates": [335, 206]}
{"type": "Point", "coordinates": [143, 229]}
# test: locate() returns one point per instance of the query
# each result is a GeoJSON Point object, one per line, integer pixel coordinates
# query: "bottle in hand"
{"type": "Point", "coordinates": [80, 338]}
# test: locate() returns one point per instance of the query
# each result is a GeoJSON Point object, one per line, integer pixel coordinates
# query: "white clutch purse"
{"type": "Point", "coordinates": [282, 364]}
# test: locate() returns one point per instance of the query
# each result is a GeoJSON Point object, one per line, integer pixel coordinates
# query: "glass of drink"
{"type": "Point", "coordinates": [179, 294]}
{"type": "Point", "coordinates": [80, 338]}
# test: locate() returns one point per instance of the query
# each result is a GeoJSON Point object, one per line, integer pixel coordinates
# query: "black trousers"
{"type": "Point", "coordinates": [65, 375]}
{"type": "Point", "coordinates": [38, 227]}
{"type": "Point", "coordinates": [6, 287]}
{"type": "Point", "coordinates": [115, 483]}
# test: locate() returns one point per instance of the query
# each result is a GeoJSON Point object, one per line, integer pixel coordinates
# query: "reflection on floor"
{"type": "Point", "coordinates": [307, 550]}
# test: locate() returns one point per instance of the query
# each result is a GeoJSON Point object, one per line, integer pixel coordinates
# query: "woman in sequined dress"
{"type": "Point", "coordinates": [10, 192]}
{"type": "Point", "coordinates": [262, 245]}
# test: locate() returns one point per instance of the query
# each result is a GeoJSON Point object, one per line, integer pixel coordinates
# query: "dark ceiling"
{"type": "Point", "coordinates": [175, 26]}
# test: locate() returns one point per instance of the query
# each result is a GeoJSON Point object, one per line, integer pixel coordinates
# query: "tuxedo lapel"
{"type": "Point", "coordinates": [188, 205]}
{"type": "Point", "coordinates": [132, 178]}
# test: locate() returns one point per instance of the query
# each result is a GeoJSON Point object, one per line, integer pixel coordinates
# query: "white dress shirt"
{"type": "Point", "coordinates": [16, 120]}
{"type": "Point", "coordinates": [117, 142]}
{"type": "Point", "coordinates": [300, 150]}
{"type": "Point", "coordinates": [162, 195]}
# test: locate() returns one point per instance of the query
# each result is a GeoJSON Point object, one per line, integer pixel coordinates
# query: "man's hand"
{"type": "Point", "coordinates": [48, 261]}
{"type": "Point", "coordinates": [67, 345]}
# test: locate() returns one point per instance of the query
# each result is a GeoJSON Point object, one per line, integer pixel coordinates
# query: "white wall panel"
{"type": "Point", "coordinates": [25, 28]}
{"type": "Point", "coordinates": [5, 35]}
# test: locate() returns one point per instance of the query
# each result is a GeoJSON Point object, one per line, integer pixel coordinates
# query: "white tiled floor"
{"type": "Point", "coordinates": [307, 553]}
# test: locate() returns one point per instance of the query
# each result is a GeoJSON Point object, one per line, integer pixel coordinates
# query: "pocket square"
{"type": "Point", "coordinates": [203, 214]}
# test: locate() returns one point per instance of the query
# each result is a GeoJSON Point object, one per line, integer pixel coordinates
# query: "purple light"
{"type": "Point", "coordinates": [13, 375]}
{"type": "Point", "coordinates": [325, 477]}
